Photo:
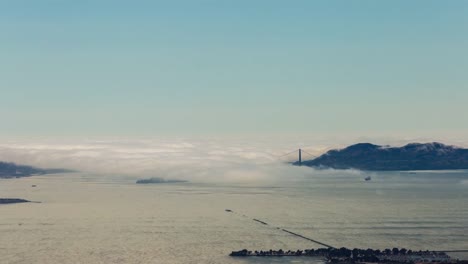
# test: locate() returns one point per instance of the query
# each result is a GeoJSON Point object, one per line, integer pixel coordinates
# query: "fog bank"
{"type": "Point", "coordinates": [196, 160]}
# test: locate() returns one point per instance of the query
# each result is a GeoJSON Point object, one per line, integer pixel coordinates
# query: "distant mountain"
{"type": "Point", "coordinates": [414, 156]}
{"type": "Point", "coordinates": [12, 170]}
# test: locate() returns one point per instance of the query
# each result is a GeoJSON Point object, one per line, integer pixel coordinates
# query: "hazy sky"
{"type": "Point", "coordinates": [233, 67]}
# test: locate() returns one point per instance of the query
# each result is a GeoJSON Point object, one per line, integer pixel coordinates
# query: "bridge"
{"type": "Point", "coordinates": [300, 153]}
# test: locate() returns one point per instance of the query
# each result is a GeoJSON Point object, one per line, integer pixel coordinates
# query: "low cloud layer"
{"type": "Point", "coordinates": [196, 160]}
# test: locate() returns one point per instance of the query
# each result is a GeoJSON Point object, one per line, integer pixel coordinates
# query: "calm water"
{"type": "Point", "coordinates": [93, 219]}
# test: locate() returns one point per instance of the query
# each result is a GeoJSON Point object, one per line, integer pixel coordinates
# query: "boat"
{"type": "Point", "coordinates": [368, 178]}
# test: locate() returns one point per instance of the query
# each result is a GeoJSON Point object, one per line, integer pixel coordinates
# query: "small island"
{"type": "Point", "coordinates": [156, 180]}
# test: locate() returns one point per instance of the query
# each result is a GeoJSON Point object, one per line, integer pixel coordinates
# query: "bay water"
{"type": "Point", "coordinates": [86, 218]}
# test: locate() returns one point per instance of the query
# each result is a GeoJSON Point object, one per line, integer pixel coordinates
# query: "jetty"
{"type": "Point", "coordinates": [344, 255]}
{"type": "Point", "coordinates": [284, 230]}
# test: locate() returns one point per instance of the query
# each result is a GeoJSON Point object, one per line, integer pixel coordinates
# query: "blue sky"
{"type": "Point", "coordinates": [369, 68]}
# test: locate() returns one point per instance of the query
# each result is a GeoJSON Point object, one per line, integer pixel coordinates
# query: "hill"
{"type": "Point", "coordinates": [414, 156]}
{"type": "Point", "coordinates": [12, 170]}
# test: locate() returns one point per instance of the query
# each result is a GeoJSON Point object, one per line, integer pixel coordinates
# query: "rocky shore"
{"type": "Point", "coordinates": [345, 255]}
{"type": "Point", "coordinates": [13, 200]}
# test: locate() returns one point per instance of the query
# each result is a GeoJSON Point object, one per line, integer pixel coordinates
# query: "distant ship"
{"type": "Point", "coordinates": [368, 178]}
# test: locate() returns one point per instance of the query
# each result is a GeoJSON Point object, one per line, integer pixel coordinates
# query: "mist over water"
{"type": "Point", "coordinates": [194, 159]}
{"type": "Point", "coordinates": [100, 215]}
{"type": "Point", "coordinates": [212, 160]}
